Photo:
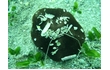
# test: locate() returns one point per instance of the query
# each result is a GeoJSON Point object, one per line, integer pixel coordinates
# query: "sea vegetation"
{"type": "Point", "coordinates": [94, 34]}
{"type": "Point", "coordinates": [32, 57]}
{"type": "Point", "coordinates": [25, 60]}
{"type": "Point", "coordinates": [39, 56]}
{"type": "Point", "coordinates": [14, 51]}
{"type": "Point", "coordinates": [76, 8]}
{"type": "Point", "coordinates": [12, 14]}
{"type": "Point", "coordinates": [58, 31]}
{"type": "Point", "coordinates": [89, 52]}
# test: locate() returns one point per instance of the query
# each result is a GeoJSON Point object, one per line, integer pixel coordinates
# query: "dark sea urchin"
{"type": "Point", "coordinates": [57, 33]}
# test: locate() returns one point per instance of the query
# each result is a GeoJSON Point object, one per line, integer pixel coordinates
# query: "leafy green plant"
{"type": "Point", "coordinates": [23, 64]}
{"type": "Point", "coordinates": [42, 62]}
{"type": "Point", "coordinates": [17, 50]}
{"type": "Point", "coordinates": [89, 52]}
{"type": "Point", "coordinates": [13, 8]}
{"type": "Point", "coordinates": [31, 58]}
{"type": "Point", "coordinates": [14, 52]}
{"type": "Point", "coordinates": [94, 34]}
{"type": "Point", "coordinates": [76, 8]}
{"type": "Point", "coordinates": [91, 36]}
{"type": "Point", "coordinates": [34, 58]}
{"type": "Point", "coordinates": [38, 56]}
{"type": "Point", "coordinates": [12, 15]}
{"type": "Point", "coordinates": [11, 51]}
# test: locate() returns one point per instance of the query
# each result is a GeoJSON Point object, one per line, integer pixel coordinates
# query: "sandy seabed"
{"type": "Point", "coordinates": [19, 32]}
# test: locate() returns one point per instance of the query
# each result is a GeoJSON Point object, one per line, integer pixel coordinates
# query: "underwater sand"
{"type": "Point", "coordinates": [19, 32]}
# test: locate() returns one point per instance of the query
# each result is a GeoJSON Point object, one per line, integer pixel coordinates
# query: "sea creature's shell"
{"type": "Point", "coordinates": [57, 33]}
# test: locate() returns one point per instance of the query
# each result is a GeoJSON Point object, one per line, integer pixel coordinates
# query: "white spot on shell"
{"type": "Point", "coordinates": [43, 18]}
{"type": "Point", "coordinates": [68, 57]}
{"type": "Point", "coordinates": [64, 10]}
{"type": "Point", "coordinates": [54, 52]}
{"type": "Point", "coordinates": [44, 9]}
{"type": "Point", "coordinates": [82, 30]}
{"type": "Point", "coordinates": [57, 21]}
{"type": "Point", "coordinates": [62, 19]}
{"type": "Point", "coordinates": [51, 44]}
{"type": "Point", "coordinates": [60, 22]}
{"type": "Point", "coordinates": [45, 29]}
{"type": "Point", "coordinates": [35, 39]}
{"type": "Point", "coordinates": [57, 43]}
{"type": "Point", "coordinates": [38, 28]}
{"type": "Point", "coordinates": [70, 27]}
{"type": "Point", "coordinates": [54, 48]}
{"type": "Point", "coordinates": [57, 31]}
{"type": "Point", "coordinates": [70, 32]}
{"type": "Point", "coordinates": [75, 28]}
{"type": "Point", "coordinates": [49, 16]}
{"type": "Point", "coordinates": [65, 22]}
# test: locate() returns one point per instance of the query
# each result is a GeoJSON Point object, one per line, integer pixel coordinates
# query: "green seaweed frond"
{"type": "Point", "coordinates": [17, 50]}
{"type": "Point", "coordinates": [94, 34]}
{"type": "Point", "coordinates": [38, 56]}
{"type": "Point", "coordinates": [30, 58]}
{"type": "Point", "coordinates": [23, 64]}
{"type": "Point", "coordinates": [12, 15]}
{"type": "Point", "coordinates": [14, 52]}
{"type": "Point", "coordinates": [11, 51]}
{"type": "Point", "coordinates": [89, 52]}
{"type": "Point", "coordinates": [76, 8]}
{"type": "Point", "coordinates": [91, 36]}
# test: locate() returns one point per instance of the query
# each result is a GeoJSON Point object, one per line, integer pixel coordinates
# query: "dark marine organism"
{"type": "Point", "coordinates": [56, 32]}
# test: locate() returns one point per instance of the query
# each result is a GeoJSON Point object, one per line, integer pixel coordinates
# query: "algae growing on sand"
{"type": "Point", "coordinates": [20, 15]}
